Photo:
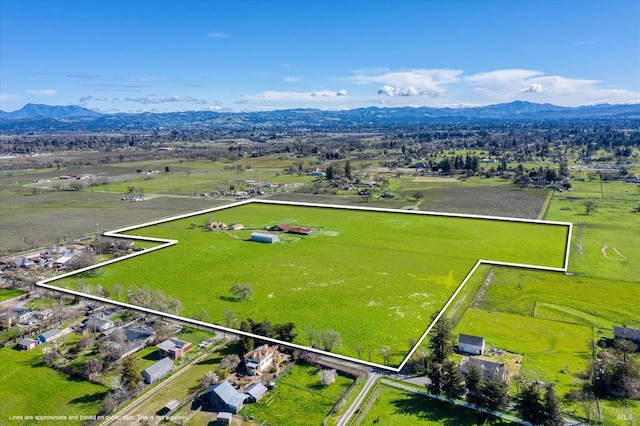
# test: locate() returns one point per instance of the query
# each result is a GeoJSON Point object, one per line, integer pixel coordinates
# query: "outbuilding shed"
{"type": "Point", "coordinates": [157, 371]}
{"type": "Point", "coordinates": [263, 237]}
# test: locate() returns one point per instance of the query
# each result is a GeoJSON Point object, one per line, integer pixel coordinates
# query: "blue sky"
{"type": "Point", "coordinates": [124, 55]}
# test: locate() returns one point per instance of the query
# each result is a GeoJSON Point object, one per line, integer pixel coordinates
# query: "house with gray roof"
{"type": "Point", "coordinates": [50, 335]}
{"type": "Point", "coordinates": [223, 397]}
{"type": "Point", "coordinates": [27, 344]}
{"type": "Point", "coordinates": [99, 323]}
{"type": "Point", "coordinates": [174, 348]}
{"type": "Point", "coordinates": [490, 369]}
{"type": "Point", "coordinates": [471, 344]}
{"type": "Point", "coordinates": [632, 334]}
{"type": "Point", "coordinates": [157, 371]}
{"type": "Point", "coordinates": [256, 391]}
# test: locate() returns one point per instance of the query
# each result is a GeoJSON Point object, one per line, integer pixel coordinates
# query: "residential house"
{"type": "Point", "coordinates": [260, 359]}
{"type": "Point", "coordinates": [27, 344]}
{"type": "Point", "coordinates": [471, 344]}
{"type": "Point", "coordinates": [50, 335]}
{"type": "Point", "coordinates": [256, 391]}
{"type": "Point", "coordinates": [20, 315]}
{"type": "Point", "coordinates": [632, 334]}
{"type": "Point", "coordinates": [490, 369]}
{"type": "Point", "coordinates": [223, 397]}
{"type": "Point", "coordinates": [174, 348]}
{"type": "Point", "coordinates": [157, 371]}
{"type": "Point", "coordinates": [99, 323]}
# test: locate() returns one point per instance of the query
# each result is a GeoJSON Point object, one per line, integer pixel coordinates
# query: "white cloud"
{"type": "Point", "coordinates": [534, 88]}
{"type": "Point", "coordinates": [292, 78]}
{"type": "Point", "coordinates": [414, 82]}
{"type": "Point", "coordinates": [85, 98]}
{"type": "Point", "coordinates": [42, 92]}
{"type": "Point", "coordinates": [8, 97]}
{"type": "Point", "coordinates": [296, 96]}
{"type": "Point", "coordinates": [341, 93]}
{"type": "Point", "coordinates": [217, 34]}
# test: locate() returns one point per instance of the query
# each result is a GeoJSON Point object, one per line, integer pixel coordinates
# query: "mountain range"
{"type": "Point", "coordinates": [38, 117]}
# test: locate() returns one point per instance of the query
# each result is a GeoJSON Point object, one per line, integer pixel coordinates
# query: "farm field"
{"type": "Point", "coordinates": [349, 266]}
{"type": "Point", "coordinates": [43, 391]}
{"type": "Point", "coordinates": [9, 293]}
{"type": "Point", "coordinates": [299, 398]}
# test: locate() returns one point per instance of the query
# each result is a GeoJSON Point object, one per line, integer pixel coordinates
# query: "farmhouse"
{"type": "Point", "coordinates": [20, 315]}
{"type": "Point", "coordinates": [27, 344]}
{"type": "Point", "coordinates": [262, 237]}
{"type": "Point", "coordinates": [223, 396]}
{"type": "Point", "coordinates": [632, 334]}
{"type": "Point", "coordinates": [50, 335]}
{"type": "Point", "coordinates": [490, 369]}
{"type": "Point", "coordinates": [157, 371]}
{"type": "Point", "coordinates": [64, 259]}
{"type": "Point", "coordinates": [174, 348]}
{"type": "Point", "coordinates": [471, 344]}
{"type": "Point", "coordinates": [259, 359]}
{"type": "Point", "coordinates": [256, 391]}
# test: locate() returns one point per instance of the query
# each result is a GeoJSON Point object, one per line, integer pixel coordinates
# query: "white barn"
{"type": "Point", "coordinates": [471, 344]}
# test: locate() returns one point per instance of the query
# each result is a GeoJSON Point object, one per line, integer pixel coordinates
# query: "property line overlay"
{"type": "Point", "coordinates": [164, 243]}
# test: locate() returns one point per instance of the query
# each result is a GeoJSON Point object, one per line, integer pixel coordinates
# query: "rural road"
{"type": "Point", "coordinates": [344, 420]}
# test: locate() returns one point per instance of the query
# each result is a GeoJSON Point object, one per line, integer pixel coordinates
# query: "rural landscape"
{"type": "Point", "coordinates": [323, 213]}
{"type": "Point", "coordinates": [370, 270]}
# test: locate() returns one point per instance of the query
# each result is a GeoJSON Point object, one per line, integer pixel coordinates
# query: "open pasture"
{"type": "Point", "coordinates": [375, 277]}
{"type": "Point", "coordinates": [30, 388]}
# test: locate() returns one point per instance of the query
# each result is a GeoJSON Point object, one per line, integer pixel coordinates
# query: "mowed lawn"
{"type": "Point", "coordinates": [30, 388]}
{"type": "Point", "coordinates": [376, 278]}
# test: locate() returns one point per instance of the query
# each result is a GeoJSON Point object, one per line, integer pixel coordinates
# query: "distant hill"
{"type": "Point", "coordinates": [34, 117]}
{"type": "Point", "coordinates": [47, 111]}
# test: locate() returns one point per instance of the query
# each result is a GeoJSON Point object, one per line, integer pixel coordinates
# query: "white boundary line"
{"type": "Point", "coordinates": [118, 233]}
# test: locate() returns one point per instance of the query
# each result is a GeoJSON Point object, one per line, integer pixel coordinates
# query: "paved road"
{"type": "Point", "coordinates": [344, 420]}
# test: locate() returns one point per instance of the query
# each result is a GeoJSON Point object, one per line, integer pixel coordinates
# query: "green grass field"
{"type": "Point", "coordinates": [30, 388]}
{"type": "Point", "coordinates": [380, 275]}
{"type": "Point", "coordinates": [10, 293]}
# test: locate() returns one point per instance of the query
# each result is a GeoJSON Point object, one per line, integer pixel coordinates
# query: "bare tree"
{"type": "Point", "coordinates": [209, 379]}
{"type": "Point", "coordinates": [230, 362]}
{"type": "Point", "coordinates": [229, 317]}
{"type": "Point", "coordinates": [330, 339]}
{"type": "Point", "coordinates": [91, 367]}
{"type": "Point", "coordinates": [242, 291]}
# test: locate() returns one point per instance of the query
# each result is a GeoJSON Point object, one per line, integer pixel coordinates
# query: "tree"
{"type": "Point", "coordinates": [436, 378]}
{"type": "Point", "coordinates": [529, 403]}
{"type": "Point", "coordinates": [522, 181]}
{"type": "Point", "coordinates": [49, 356]}
{"type": "Point", "coordinates": [590, 206]}
{"type": "Point", "coordinates": [453, 385]}
{"type": "Point", "coordinates": [247, 343]}
{"type": "Point", "coordinates": [493, 395]}
{"type": "Point", "coordinates": [209, 379]}
{"type": "Point", "coordinates": [442, 339]}
{"type": "Point", "coordinates": [131, 377]}
{"type": "Point", "coordinates": [552, 414]}
{"type": "Point", "coordinates": [91, 367]}
{"type": "Point", "coordinates": [229, 317]}
{"type": "Point", "coordinates": [330, 339]}
{"type": "Point", "coordinates": [473, 381]}
{"type": "Point", "coordinates": [327, 376]}
{"type": "Point", "coordinates": [385, 352]}
{"type": "Point", "coordinates": [230, 362]}
{"type": "Point", "coordinates": [347, 170]}
{"type": "Point", "coordinates": [241, 291]}
{"type": "Point", "coordinates": [330, 172]}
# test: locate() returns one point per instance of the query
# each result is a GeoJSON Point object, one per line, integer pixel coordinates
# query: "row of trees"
{"type": "Point", "coordinates": [283, 332]}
